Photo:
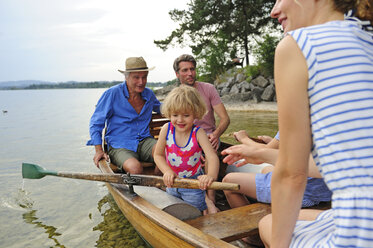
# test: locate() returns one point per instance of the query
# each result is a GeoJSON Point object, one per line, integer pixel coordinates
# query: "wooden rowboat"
{"type": "Point", "coordinates": [161, 229]}
{"type": "Point", "coordinates": [165, 221]}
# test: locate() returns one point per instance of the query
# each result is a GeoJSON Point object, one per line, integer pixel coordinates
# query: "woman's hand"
{"type": "Point", "coordinates": [241, 155]}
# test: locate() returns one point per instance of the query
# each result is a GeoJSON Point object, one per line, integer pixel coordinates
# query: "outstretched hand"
{"type": "Point", "coordinates": [241, 155]}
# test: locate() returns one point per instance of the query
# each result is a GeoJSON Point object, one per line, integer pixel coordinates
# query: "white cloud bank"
{"type": "Point", "coordinates": [84, 40]}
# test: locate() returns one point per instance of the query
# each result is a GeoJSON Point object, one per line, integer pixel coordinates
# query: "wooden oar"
{"type": "Point", "coordinates": [33, 171]}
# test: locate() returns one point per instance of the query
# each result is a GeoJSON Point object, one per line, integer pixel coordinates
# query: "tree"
{"type": "Point", "coordinates": [265, 54]}
{"type": "Point", "coordinates": [212, 27]}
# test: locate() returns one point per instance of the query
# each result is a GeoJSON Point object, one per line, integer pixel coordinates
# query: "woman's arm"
{"type": "Point", "coordinates": [160, 157]}
{"type": "Point", "coordinates": [290, 174]}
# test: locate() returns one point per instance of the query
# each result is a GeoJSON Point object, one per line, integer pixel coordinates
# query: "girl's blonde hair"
{"type": "Point", "coordinates": [184, 99]}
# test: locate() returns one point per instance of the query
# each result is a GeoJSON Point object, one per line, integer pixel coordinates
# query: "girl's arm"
{"type": "Point", "coordinates": [211, 158]}
{"type": "Point", "coordinates": [160, 157]}
{"type": "Point", "coordinates": [290, 173]}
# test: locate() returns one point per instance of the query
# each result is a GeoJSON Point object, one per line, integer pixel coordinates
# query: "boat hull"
{"type": "Point", "coordinates": [157, 227]}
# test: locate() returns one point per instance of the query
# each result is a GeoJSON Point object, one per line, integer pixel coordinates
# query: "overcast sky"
{"type": "Point", "coordinates": [84, 40]}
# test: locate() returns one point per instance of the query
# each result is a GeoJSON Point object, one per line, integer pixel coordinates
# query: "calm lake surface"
{"type": "Point", "coordinates": [50, 128]}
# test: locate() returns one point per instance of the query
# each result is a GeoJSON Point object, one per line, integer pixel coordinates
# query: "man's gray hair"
{"type": "Point", "coordinates": [183, 58]}
{"type": "Point", "coordinates": [126, 74]}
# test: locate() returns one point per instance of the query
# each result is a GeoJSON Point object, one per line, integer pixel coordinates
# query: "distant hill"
{"type": "Point", "coordinates": [22, 83]}
{"type": "Point", "coordinates": [37, 84]}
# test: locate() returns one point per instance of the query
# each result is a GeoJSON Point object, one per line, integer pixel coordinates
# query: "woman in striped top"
{"type": "Point", "coordinates": [324, 86]}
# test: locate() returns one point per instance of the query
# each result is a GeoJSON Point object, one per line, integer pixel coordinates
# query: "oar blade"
{"type": "Point", "coordinates": [33, 171]}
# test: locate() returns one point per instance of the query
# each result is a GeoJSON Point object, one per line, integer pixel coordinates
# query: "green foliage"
{"type": "Point", "coordinates": [265, 53]}
{"type": "Point", "coordinates": [251, 71]}
{"type": "Point", "coordinates": [218, 30]}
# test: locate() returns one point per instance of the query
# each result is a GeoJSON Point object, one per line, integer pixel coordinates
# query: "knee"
{"type": "Point", "coordinates": [265, 228]}
{"type": "Point", "coordinates": [133, 166]}
{"type": "Point", "coordinates": [227, 178]}
{"type": "Point", "coordinates": [267, 169]}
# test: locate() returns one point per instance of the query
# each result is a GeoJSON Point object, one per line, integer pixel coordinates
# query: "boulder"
{"type": "Point", "coordinates": [268, 93]}
{"type": "Point", "coordinates": [240, 77]}
{"type": "Point", "coordinates": [260, 81]}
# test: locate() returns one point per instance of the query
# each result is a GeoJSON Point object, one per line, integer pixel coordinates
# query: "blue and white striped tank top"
{"type": "Point", "coordinates": [339, 56]}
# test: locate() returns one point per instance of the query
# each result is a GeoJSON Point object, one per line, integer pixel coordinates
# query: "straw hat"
{"type": "Point", "coordinates": [136, 64]}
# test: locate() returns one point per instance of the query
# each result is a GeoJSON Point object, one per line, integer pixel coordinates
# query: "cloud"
{"type": "Point", "coordinates": [84, 40]}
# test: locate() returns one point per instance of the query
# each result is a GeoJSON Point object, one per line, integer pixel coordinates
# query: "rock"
{"type": "Point", "coordinates": [246, 96]}
{"type": "Point", "coordinates": [165, 90]}
{"type": "Point", "coordinates": [268, 93]}
{"type": "Point", "coordinates": [257, 94]}
{"type": "Point", "coordinates": [240, 77]}
{"type": "Point", "coordinates": [234, 89]}
{"type": "Point", "coordinates": [225, 91]}
{"type": "Point", "coordinates": [260, 81]}
{"type": "Point", "coordinates": [244, 87]}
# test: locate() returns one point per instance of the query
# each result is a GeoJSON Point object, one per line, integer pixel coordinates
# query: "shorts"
{"type": "Point", "coordinates": [194, 197]}
{"type": "Point", "coordinates": [144, 153]}
{"type": "Point", "coordinates": [316, 190]}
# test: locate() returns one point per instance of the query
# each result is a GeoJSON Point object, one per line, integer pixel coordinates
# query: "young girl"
{"type": "Point", "coordinates": [180, 145]}
{"type": "Point", "coordinates": [324, 87]}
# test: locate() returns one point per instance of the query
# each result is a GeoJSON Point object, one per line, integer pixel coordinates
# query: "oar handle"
{"type": "Point", "coordinates": [194, 184]}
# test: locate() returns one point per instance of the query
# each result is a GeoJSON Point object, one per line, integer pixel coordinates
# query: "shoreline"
{"type": "Point", "coordinates": [251, 106]}
{"type": "Point", "coordinates": [243, 106]}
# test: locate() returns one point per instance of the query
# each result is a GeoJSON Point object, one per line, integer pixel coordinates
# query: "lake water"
{"type": "Point", "coordinates": [50, 128]}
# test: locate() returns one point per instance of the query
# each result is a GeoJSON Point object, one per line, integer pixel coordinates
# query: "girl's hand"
{"type": "Point", "coordinates": [168, 178]}
{"type": "Point", "coordinates": [205, 181]}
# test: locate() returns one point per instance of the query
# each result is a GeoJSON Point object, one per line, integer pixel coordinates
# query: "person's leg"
{"type": "Point", "coordinates": [265, 224]}
{"type": "Point", "coordinates": [126, 160]}
{"type": "Point", "coordinates": [265, 229]}
{"type": "Point", "coordinates": [195, 197]}
{"type": "Point", "coordinates": [146, 150]}
{"type": "Point", "coordinates": [247, 187]}
{"type": "Point", "coordinates": [210, 197]}
{"type": "Point", "coordinates": [267, 169]}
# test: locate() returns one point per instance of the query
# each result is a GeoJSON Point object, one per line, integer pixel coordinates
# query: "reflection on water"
{"type": "Point", "coordinates": [115, 228]}
{"type": "Point", "coordinates": [30, 217]}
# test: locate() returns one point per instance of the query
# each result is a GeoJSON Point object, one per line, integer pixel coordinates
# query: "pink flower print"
{"type": "Point", "coordinates": [174, 159]}
{"type": "Point", "coordinates": [185, 174]}
{"type": "Point", "coordinates": [193, 160]}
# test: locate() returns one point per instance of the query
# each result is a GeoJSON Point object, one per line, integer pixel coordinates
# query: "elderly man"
{"type": "Point", "coordinates": [185, 69]}
{"type": "Point", "coordinates": [126, 109]}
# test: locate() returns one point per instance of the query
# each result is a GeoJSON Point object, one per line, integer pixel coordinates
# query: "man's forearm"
{"type": "Point", "coordinates": [223, 125]}
{"type": "Point", "coordinates": [98, 148]}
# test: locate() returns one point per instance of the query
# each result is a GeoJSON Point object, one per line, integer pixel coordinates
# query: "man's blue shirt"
{"type": "Point", "coordinates": [125, 128]}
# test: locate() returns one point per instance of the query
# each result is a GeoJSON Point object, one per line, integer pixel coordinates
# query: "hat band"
{"type": "Point", "coordinates": [140, 68]}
